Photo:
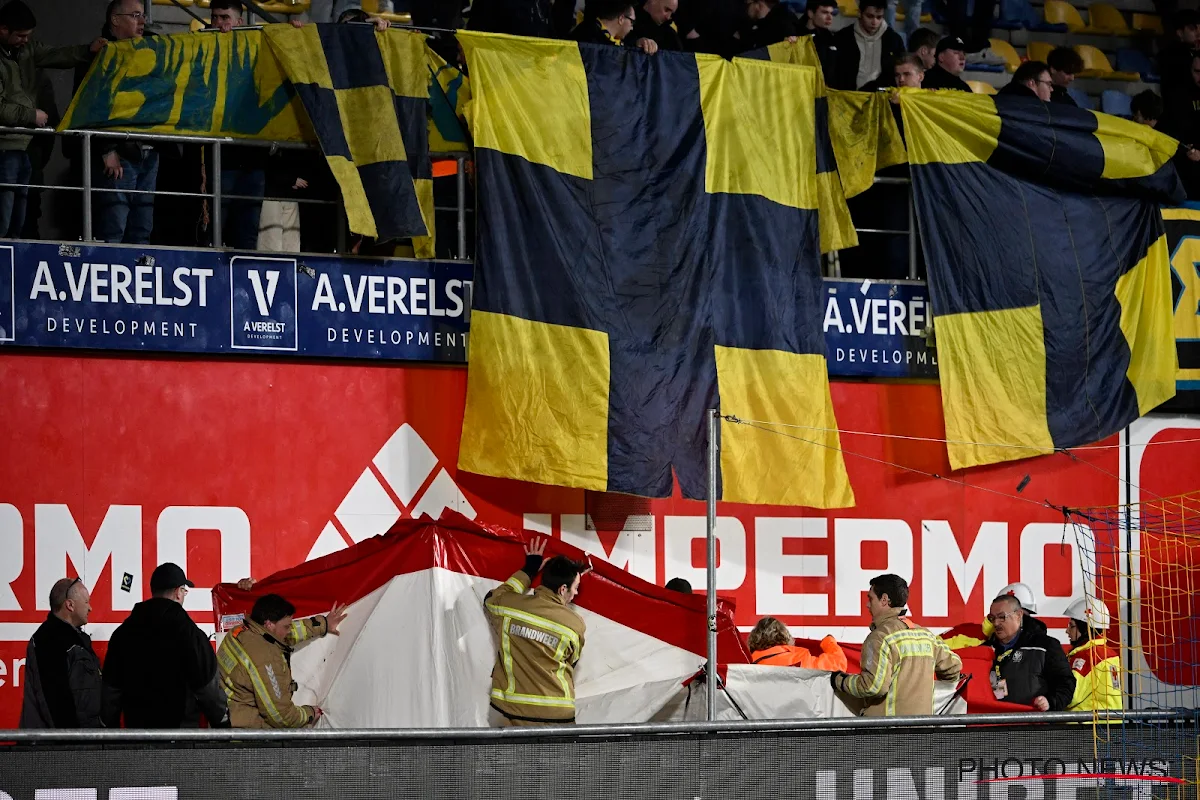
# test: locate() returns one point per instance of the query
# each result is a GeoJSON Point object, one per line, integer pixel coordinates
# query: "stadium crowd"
{"type": "Point", "coordinates": [161, 671]}
{"type": "Point", "coordinates": [281, 200]}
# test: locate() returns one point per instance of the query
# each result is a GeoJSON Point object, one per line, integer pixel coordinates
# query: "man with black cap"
{"type": "Point", "coordinates": [951, 56]}
{"type": "Point", "coordinates": [160, 671]}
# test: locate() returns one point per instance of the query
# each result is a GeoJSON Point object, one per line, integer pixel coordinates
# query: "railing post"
{"type": "Point", "coordinates": [147, 5]}
{"type": "Point", "coordinates": [87, 187]}
{"type": "Point", "coordinates": [218, 237]}
{"type": "Point", "coordinates": [711, 567]}
{"type": "Point", "coordinates": [912, 236]}
{"type": "Point", "coordinates": [460, 176]}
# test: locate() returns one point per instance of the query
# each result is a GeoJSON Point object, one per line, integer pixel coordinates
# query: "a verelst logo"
{"type": "Point", "coordinates": [263, 296]}
{"type": "Point", "coordinates": [404, 479]}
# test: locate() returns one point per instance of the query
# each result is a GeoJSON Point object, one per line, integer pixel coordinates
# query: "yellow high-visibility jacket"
{"type": "Point", "coordinates": [1097, 669]}
{"type": "Point", "coordinates": [256, 673]}
{"type": "Point", "coordinates": [539, 642]}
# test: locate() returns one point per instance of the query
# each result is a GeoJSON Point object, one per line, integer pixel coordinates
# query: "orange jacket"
{"type": "Point", "coordinates": [832, 659]}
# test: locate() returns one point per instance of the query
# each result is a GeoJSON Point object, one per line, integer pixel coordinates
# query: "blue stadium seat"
{"type": "Point", "coordinates": [1131, 60]}
{"type": "Point", "coordinates": [1082, 98]}
{"type": "Point", "coordinates": [986, 68]}
{"type": "Point", "coordinates": [1116, 103]}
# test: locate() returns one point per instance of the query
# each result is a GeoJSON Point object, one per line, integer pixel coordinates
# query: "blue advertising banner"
{"type": "Point", "coordinates": [206, 301]}
{"type": "Point", "coordinates": [878, 329]}
{"type": "Point", "coordinates": [171, 300]}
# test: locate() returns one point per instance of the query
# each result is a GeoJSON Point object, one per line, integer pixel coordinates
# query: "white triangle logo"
{"type": "Point", "coordinates": [404, 479]}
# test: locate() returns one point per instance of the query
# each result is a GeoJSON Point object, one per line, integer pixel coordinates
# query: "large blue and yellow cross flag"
{"type": "Point", "coordinates": [361, 94]}
{"type": "Point", "coordinates": [648, 249]}
{"type": "Point", "coordinates": [1048, 269]}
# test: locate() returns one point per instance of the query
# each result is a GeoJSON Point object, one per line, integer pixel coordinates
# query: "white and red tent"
{"type": "Point", "coordinates": [416, 649]}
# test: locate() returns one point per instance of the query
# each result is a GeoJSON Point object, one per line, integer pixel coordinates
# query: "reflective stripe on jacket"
{"type": "Point", "coordinates": [899, 663]}
{"type": "Point", "coordinates": [256, 674]}
{"type": "Point", "coordinates": [832, 659]}
{"type": "Point", "coordinates": [539, 641]}
{"type": "Point", "coordinates": [1097, 670]}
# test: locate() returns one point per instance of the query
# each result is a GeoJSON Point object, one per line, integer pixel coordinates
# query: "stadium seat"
{"type": "Point", "coordinates": [1097, 65]}
{"type": "Point", "coordinates": [902, 14]}
{"type": "Point", "coordinates": [1107, 18]}
{"type": "Point", "coordinates": [1082, 98]}
{"type": "Point", "coordinates": [1006, 51]}
{"type": "Point", "coordinates": [1148, 23]}
{"type": "Point", "coordinates": [848, 8]}
{"type": "Point", "coordinates": [1038, 51]}
{"type": "Point", "coordinates": [1116, 103]}
{"type": "Point", "coordinates": [981, 87]}
{"type": "Point", "coordinates": [1062, 13]}
{"type": "Point", "coordinates": [197, 26]}
{"type": "Point", "coordinates": [1131, 60]}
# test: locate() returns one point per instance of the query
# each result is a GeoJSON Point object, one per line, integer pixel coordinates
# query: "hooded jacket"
{"type": "Point", "coordinates": [160, 671]}
{"type": "Point", "coordinates": [62, 678]}
{"type": "Point", "coordinates": [1097, 671]}
{"type": "Point", "coordinates": [1034, 666]}
{"type": "Point", "coordinates": [18, 83]}
{"type": "Point", "coordinates": [849, 55]}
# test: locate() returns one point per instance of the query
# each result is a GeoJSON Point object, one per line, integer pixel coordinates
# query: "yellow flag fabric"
{"type": "Point", "coordinates": [1183, 243]}
{"type": "Point", "coordinates": [362, 95]}
{"type": "Point", "coordinates": [1048, 269]}
{"type": "Point", "coordinates": [631, 276]}
{"type": "Point", "coordinates": [865, 136]}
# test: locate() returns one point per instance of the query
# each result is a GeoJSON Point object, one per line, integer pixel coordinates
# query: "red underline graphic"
{"type": "Point", "coordinates": [1093, 775]}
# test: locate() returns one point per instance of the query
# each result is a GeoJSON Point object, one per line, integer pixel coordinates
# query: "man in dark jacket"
{"type": "Point", "coordinates": [868, 49]}
{"type": "Point", "coordinates": [62, 672]}
{"type": "Point", "coordinates": [1175, 59]}
{"type": "Point", "coordinates": [20, 59]}
{"type": "Point", "coordinates": [1064, 64]}
{"type": "Point", "coordinates": [951, 57]}
{"type": "Point", "coordinates": [608, 22]}
{"type": "Point", "coordinates": [1181, 119]}
{"type": "Point", "coordinates": [1032, 79]}
{"type": "Point", "coordinates": [818, 23]}
{"type": "Point", "coordinates": [767, 22]}
{"type": "Point", "coordinates": [1030, 666]}
{"type": "Point", "coordinates": [653, 22]}
{"type": "Point", "coordinates": [161, 671]}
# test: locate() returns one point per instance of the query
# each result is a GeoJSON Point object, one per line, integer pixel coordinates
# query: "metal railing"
{"type": "Point", "coordinates": [914, 272]}
{"type": "Point", "coordinates": [329, 735]}
{"type": "Point", "coordinates": [216, 195]}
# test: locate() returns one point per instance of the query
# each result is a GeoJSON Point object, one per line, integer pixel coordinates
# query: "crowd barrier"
{"type": "Point", "coordinates": [1044, 756]}
{"type": "Point", "coordinates": [216, 195]}
{"type": "Point", "coordinates": [461, 209]}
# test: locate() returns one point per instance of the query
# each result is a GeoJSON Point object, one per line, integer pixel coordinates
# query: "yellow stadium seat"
{"type": "Point", "coordinates": [289, 7]}
{"type": "Point", "coordinates": [1097, 65]}
{"type": "Point", "coordinates": [202, 3]}
{"type": "Point", "coordinates": [1058, 12]}
{"type": "Point", "coordinates": [1148, 23]}
{"type": "Point", "coordinates": [1038, 51]}
{"type": "Point", "coordinates": [848, 8]}
{"type": "Point", "coordinates": [399, 18]}
{"type": "Point", "coordinates": [197, 26]}
{"type": "Point", "coordinates": [981, 87]}
{"type": "Point", "coordinates": [1006, 51]}
{"type": "Point", "coordinates": [1109, 19]}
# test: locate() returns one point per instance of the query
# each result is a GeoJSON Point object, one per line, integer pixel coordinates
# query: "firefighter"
{"type": "Point", "coordinates": [1096, 666]}
{"type": "Point", "coordinates": [539, 642]}
{"type": "Point", "coordinates": [900, 659]}
{"type": "Point", "coordinates": [255, 663]}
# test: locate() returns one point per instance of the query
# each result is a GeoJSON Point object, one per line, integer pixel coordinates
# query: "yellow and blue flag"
{"type": "Point", "coordinates": [648, 250]}
{"type": "Point", "coordinates": [1048, 269]}
{"type": "Point", "coordinates": [366, 93]}
{"type": "Point", "coordinates": [199, 84]}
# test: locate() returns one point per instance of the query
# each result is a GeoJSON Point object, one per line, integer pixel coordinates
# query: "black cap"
{"type": "Point", "coordinates": [951, 43]}
{"type": "Point", "coordinates": [168, 576]}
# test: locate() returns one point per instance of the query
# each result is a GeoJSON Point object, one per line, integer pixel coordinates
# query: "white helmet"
{"type": "Point", "coordinates": [1090, 610]}
{"type": "Point", "coordinates": [1023, 594]}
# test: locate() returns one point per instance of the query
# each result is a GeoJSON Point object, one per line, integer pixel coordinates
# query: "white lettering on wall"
{"type": "Point", "coordinates": [1034, 539]}
{"type": "Point", "coordinates": [12, 555]}
{"type": "Point", "coordinates": [678, 535]}
{"type": "Point", "coordinates": [942, 558]}
{"type": "Point", "coordinates": [633, 551]}
{"type": "Point", "coordinates": [852, 579]}
{"type": "Point", "coordinates": [57, 540]}
{"type": "Point", "coordinates": [234, 527]}
{"type": "Point", "coordinates": [772, 566]}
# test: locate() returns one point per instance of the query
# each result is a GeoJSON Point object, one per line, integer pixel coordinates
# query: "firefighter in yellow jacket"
{"type": "Point", "coordinates": [1097, 666]}
{"type": "Point", "coordinates": [255, 664]}
{"type": "Point", "coordinates": [900, 659]}
{"type": "Point", "coordinates": [539, 639]}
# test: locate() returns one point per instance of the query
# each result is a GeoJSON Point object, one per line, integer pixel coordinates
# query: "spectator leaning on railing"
{"type": "Point", "coordinates": [818, 22]}
{"type": "Point", "coordinates": [653, 22]}
{"type": "Point", "coordinates": [20, 59]}
{"type": "Point", "coordinates": [867, 49]}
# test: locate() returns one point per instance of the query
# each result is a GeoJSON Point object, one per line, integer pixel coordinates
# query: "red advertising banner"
{"type": "Point", "coordinates": [111, 465]}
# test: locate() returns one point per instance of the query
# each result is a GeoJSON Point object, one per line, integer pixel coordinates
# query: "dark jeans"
{"type": "Point", "coordinates": [121, 217]}
{"type": "Point", "coordinates": [15, 167]}
{"type": "Point", "coordinates": [239, 218]}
